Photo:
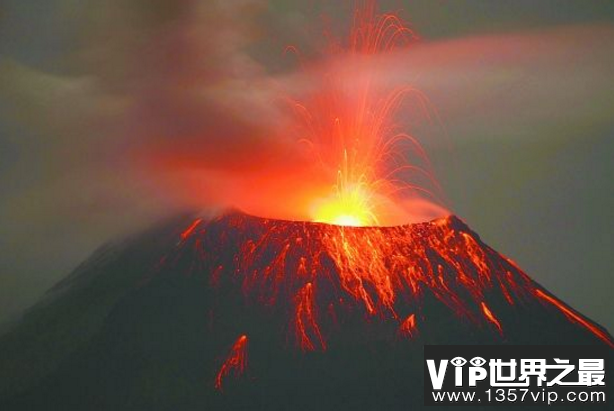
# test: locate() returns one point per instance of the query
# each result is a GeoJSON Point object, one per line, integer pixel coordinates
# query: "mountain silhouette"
{"type": "Point", "coordinates": [242, 312]}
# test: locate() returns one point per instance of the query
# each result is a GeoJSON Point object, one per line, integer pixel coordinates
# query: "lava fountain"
{"type": "Point", "coordinates": [349, 125]}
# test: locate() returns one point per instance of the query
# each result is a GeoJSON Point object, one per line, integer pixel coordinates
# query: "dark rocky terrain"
{"type": "Point", "coordinates": [241, 312]}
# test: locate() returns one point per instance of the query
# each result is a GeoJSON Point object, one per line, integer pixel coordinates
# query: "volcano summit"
{"type": "Point", "coordinates": [240, 311]}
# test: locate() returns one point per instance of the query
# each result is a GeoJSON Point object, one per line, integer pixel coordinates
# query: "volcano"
{"type": "Point", "coordinates": [242, 312]}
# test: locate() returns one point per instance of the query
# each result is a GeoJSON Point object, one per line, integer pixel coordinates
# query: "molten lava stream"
{"type": "Point", "coordinates": [572, 316]}
{"type": "Point", "coordinates": [491, 317]}
{"type": "Point", "coordinates": [408, 326]}
{"type": "Point", "coordinates": [305, 320]}
{"type": "Point", "coordinates": [235, 363]}
{"type": "Point", "coordinates": [189, 230]}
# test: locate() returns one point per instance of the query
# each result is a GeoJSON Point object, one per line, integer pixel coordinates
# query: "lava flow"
{"type": "Point", "coordinates": [235, 363]}
{"type": "Point", "coordinates": [310, 286]}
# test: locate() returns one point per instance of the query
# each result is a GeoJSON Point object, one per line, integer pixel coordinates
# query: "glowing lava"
{"type": "Point", "coordinates": [491, 317]}
{"type": "Point", "coordinates": [189, 230]}
{"type": "Point", "coordinates": [325, 272]}
{"type": "Point", "coordinates": [349, 206]}
{"type": "Point", "coordinates": [235, 362]}
{"type": "Point", "coordinates": [349, 124]}
{"type": "Point", "coordinates": [307, 329]}
{"type": "Point", "coordinates": [317, 284]}
{"type": "Point", "coordinates": [408, 327]}
{"type": "Point", "coordinates": [572, 316]}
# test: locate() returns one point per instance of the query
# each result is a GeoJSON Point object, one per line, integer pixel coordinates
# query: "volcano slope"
{"type": "Point", "coordinates": [241, 312]}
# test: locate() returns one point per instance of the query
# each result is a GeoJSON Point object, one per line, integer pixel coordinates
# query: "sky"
{"type": "Point", "coordinates": [114, 114]}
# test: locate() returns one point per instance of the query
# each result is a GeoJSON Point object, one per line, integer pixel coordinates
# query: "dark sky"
{"type": "Point", "coordinates": [523, 90]}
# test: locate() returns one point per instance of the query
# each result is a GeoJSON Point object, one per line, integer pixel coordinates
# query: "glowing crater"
{"type": "Point", "coordinates": [346, 208]}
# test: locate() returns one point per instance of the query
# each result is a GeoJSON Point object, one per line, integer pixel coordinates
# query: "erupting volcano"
{"type": "Point", "coordinates": [237, 311]}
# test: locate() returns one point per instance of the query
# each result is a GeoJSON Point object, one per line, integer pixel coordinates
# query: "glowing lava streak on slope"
{"type": "Point", "coordinates": [235, 363]}
{"type": "Point", "coordinates": [327, 281]}
{"type": "Point", "coordinates": [491, 317]}
{"type": "Point", "coordinates": [349, 124]}
{"type": "Point", "coordinates": [568, 312]}
{"type": "Point", "coordinates": [189, 230]}
{"type": "Point", "coordinates": [305, 319]}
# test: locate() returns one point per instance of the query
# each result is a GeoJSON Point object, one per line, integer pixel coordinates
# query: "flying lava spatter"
{"type": "Point", "coordinates": [349, 124]}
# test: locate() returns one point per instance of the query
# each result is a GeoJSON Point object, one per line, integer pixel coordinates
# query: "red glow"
{"type": "Point", "coordinates": [491, 317]}
{"type": "Point", "coordinates": [188, 231]}
{"type": "Point", "coordinates": [349, 126]}
{"type": "Point", "coordinates": [338, 149]}
{"type": "Point", "coordinates": [307, 328]}
{"type": "Point", "coordinates": [318, 273]}
{"type": "Point", "coordinates": [569, 313]}
{"type": "Point", "coordinates": [383, 272]}
{"type": "Point", "coordinates": [235, 363]}
{"type": "Point", "coordinates": [408, 326]}
{"type": "Point", "coordinates": [378, 281]}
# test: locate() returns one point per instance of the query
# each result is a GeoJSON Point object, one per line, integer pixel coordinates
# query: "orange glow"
{"type": "Point", "coordinates": [328, 143]}
{"type": "Point", "coordinates": [574, 317]}
{"type": "Point", "coordinates": [491, 317]}
{"type": "Point", "coordinates": [306, 326]}
{"type": "Point", "coordinates": [350, 205]}
{"type": "Point", "coordinates": [188, 231]}
{"type": "Point", "coordinates": [322, 278]}
{"type": "Point", "coordinates": [348, 124]}
{"type": "Point", "coordinates": [235, 362]}
{"type": "Point", "coordinates": [381, 272]}
{"type": "Point", "coordinates": [408, 326]}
